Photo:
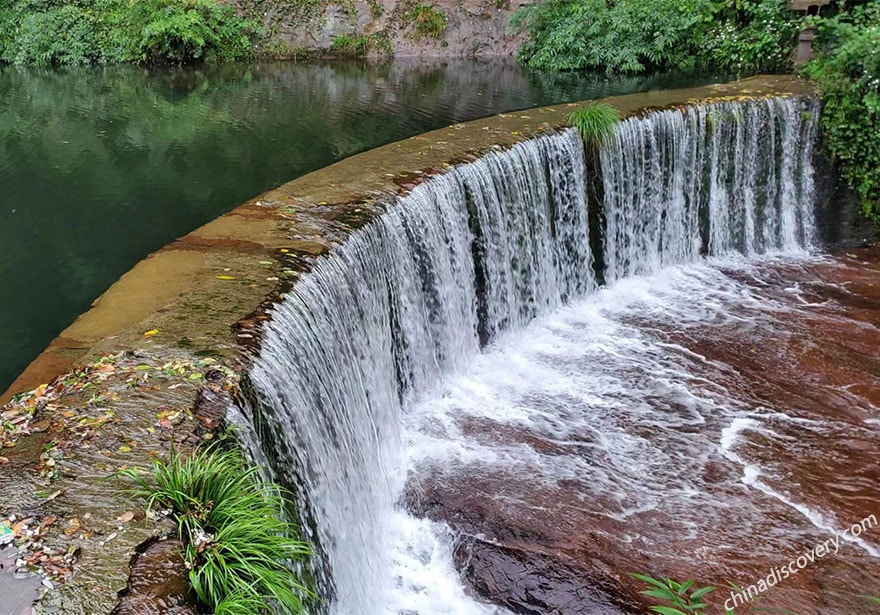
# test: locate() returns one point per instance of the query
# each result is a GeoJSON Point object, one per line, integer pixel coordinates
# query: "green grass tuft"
{"type": "Point", "coordinates": [429, 22]}
{"type": "Point", "coordinates": [238, 546]}
{"type": "Point", "coordinates": [595, 122]}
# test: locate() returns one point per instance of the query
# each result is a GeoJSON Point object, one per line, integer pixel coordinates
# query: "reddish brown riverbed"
{"type": "Point", "coordinates": [707, 423]}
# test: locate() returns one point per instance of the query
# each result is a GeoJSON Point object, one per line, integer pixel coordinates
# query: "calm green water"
{"type": "Point", "coordinates": [100, 167]}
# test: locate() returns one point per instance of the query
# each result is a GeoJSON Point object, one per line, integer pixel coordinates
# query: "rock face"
{"type": "Point", "coordinates": [530, 582]}
{"type": "Point", "coordinates": [158, 582]}
{"type": "Point", "coordinates": [560, 545]}
{"type": "Point", "coordinates": [451, 28]}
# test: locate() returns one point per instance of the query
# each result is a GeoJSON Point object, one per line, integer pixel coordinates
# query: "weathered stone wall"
{"type": "Point", "coordinates": [472, 28]}
{"type": "Point", "coordinates": [840, 222]}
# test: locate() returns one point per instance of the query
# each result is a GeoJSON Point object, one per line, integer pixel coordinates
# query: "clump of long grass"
{"type": "Point", "coordinates": [595, 122]}
{"type": "Point", "coordinates": [239, 547]}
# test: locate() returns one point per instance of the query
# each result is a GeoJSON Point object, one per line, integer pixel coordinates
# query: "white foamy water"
{"type": "Point", "coordinates": [638, 419]}
{"type": "Point", "coordinates": [469, 313]}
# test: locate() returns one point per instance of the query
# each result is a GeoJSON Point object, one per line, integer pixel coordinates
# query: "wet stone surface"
{"type": "Point", "coordinates": [72, 526]}
{"type": "Point", "coordinates": [18, 588]}
{"type": "Point", "coordinates": [158, 583]}
{"type": "Point", "coordinates": [711, 439]}
{"type": "Point", "coordinates": [529, 582]}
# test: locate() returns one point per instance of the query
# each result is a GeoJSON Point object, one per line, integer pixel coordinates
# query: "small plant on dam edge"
{"type": "Point", "coordinates": [238, 545]}
{"type": "Point", "coordinates": [595, 122]}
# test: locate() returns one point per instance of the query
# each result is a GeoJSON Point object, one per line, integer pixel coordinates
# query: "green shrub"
{"type": "Point", "coordinates": [631, 36]}
{"type": "Point", "coordinates": [686, 599]}
{"type": "Point", "coordinates": [595, 122]}
{"type": "Point", "coordinates": [428, 21]}
{"type": "Point", "coordinates": [65, 32]}
{"type": "Point", "coordinates": [750, 36]}
{"type": "Point", "coordinates": [174, 31]}
{"type": "Point", "coordinates": [238, 545]}
{"type": "Point", "coordinates": [350, 45]}
{"type": "Point", "coordinates": [618, 36]}
{"type": "Point", "coordinates": [358, 46]}
{"type": "Point", "coordinates": [847, 71]}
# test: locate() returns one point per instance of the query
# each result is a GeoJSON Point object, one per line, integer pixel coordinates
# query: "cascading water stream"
{"type": "Point", "coordinates": [720, 179]}
{"type": "Point", "coordinates": [411, 299]}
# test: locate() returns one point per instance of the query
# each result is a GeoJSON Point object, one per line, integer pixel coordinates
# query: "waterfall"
{"type": "Point", "coordinates": [730, 177]}
{"type": "Point", "coordinates": [484, 248]}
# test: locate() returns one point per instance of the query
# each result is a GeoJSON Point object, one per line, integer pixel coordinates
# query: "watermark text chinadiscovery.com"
{"type": "Point", "coordinates": [780, 573]}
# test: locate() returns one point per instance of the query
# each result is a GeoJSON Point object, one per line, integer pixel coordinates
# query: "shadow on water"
{"type": "Point", "coordinates": [99, 167]}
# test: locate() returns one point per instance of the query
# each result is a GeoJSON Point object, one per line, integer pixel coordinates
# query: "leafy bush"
{"type": "Point", "coordinates": [617, 36]}
{"type": "Point", "coordinates": [182, 32]}
{"type": "Point", "coordinates": [595, 122]}
{"type": "Point", "coordinates": [429, 22]}
{"type": "Point", "coordinates": [631, 36]}
{"type": "Point", "coordinates": [358, 46]}
{"type": "Point", "coordinates": [750, 35]}
{"type": "Point", "coordinates": [238, 546]}
{"type": "Point", "coordinates": [41, 33]}
{"type": "Point", "coordinates": [66, 32]}
{"type": "Point", "coordinates": [350, 45]}
{"type": "Point", "coordinates": [687, 599]}
{"type": "Point", "coordinates": [847, 71]}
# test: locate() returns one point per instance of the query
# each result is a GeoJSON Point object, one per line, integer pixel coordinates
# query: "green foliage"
{"type": "Point", "coordinates": [618, 36]}
{"type": "Point", "coordinates": [847, 71]}
{"type": "Point", "coordinates": [358, 46]}
{"type": "Point", "coordinates": [683, 597]}
{"type": "Point", "coordinates": [238, 547]}
{"type": "Point", "coordinates": [351, 45]}
{"type": "Point", "coordinates": [428, 21]}
{"type": "Point", "coordinates": [749, 36]}
{"type": "Point", "coordinates": [71, 32]}
{"type": "Point", "coordinates": [595, 122]}
{"type": "Point", "coordinates": [175, 31]}
{"type": "Point", "coordinates": [631, 36]}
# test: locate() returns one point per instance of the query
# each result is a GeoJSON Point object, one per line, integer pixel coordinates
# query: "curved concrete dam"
{"type": "Point", "coordinates": [502, 385]}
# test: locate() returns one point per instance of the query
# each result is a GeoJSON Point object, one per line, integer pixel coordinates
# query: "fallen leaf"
{"type": "Point", "coordinates": [125, 517]}
{"type": "Point", "coordinates": [72, 527]}
{"type": "Point", "coordinates": [109, 538]}
{"type": "Point", "coordinates": [225, 277]}
{"type": "Point", "coordinates": [151, 332]}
